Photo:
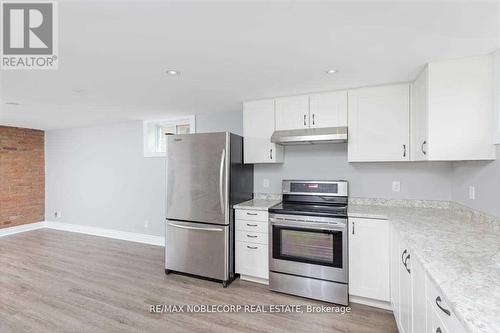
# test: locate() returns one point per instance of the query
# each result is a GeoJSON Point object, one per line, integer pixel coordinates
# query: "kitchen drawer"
{"type": "Point", "coordinates": [445, 314]}
{"type": "Point", "coordinates": [434, 322]}
{"type": "Point", "coordinates": [253, 226]}
{"type": "Point", "coordinates": [252, 259]}
{"type": "Point", "coordinates": [252, 215]}
{"type": "Point", "coordinates": [252, 237]}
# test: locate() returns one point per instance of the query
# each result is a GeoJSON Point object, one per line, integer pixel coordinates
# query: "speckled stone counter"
{"type": "Point", "coordinates": [459, 250]}
{"type": "Point", "coordinates": [257, 204]}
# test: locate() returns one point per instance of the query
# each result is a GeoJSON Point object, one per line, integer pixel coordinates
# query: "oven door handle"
{"type": "Point", "coordinates": [310, 226]}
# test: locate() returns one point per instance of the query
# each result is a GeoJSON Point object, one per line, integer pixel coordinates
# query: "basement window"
{"type": "Point", "coordinates": [155, 133]}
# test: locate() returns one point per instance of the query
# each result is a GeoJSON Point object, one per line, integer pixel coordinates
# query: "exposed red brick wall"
{"type": "Point", "coordinates": [22, 176]}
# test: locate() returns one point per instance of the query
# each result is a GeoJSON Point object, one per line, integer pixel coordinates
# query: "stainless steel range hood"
{"type": "Point", "coordinates": [310, 136]}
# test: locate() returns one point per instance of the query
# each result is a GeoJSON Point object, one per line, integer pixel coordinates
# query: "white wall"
{"type": "Point", "coordinates": [97, 176]}
{"type": "Point", "coordinates": [485, 177]}
{"type": "Point", "coordinates": [419, 180]}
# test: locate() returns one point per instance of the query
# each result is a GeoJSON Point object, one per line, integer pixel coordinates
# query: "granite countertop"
{"type": "Point", "coordinates": [257, 204]}
{"type": "Point", "coordinates": [461, 255]}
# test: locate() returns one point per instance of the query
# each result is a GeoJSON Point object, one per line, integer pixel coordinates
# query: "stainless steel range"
{"type": "Point", "coordinates": [308, 241]}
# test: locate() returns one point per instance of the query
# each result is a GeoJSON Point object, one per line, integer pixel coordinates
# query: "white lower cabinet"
{"type": "Point", "coordinates": [251, 245]}
{"type": "Point", "coordinates": [369, 259]}
{"type": "Point", "coordinates": [417, 303]}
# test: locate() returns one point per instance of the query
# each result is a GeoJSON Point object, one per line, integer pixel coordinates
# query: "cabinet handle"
{"type": "Point", "coordinates": [248, 213]}
{"type": "Point", "coordinates": [423, 150]}
{"type": "Point", "coordinates": [313, 118]}
{"type": "Point", "coordinates": [404, 150]}
{"type": "Point", "coordinates": [251, 225]}
{"type": "Point", "coordinates": [353, 227]}
{"type": "Point", "coordinates": [402, 255]}
{"type": "Point", "coordinates": [406, 266]}
{"type": "Point", "coordinates": [271, 153]}
{"type": "Point", "coordinates": [305, 120]}
{"type": "Point", "coordinates": [252, 247]}
{"type": "Point", "coordinates": [251, 236]}
{"type": "Point", "coordinates": [438, 300]}
{"type": "Point", "coordinates": [438, 330]}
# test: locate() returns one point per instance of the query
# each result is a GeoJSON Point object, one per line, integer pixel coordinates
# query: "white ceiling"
{"type": "Point", "coordinates": [113, 54]}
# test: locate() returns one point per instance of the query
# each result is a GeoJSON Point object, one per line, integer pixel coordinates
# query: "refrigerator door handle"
{"type": "Point", "coordinates": [221, 180]}
{"type": "Point", "coordinates": [194, 228]}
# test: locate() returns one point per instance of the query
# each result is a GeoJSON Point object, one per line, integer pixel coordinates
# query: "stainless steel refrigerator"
{"type": "Point", "coordinates": [205, 178]}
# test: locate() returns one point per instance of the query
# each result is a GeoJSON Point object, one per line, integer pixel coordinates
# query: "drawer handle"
{"type": "Point", "coordinates": [252, 247]}
{"type": "Point", "coordinates": [252, 214]}
{"type": "Point", "coordinates": [438, 330]}
{"type": "Point", "coordinates": [252, 225]}
{"type": "Point", "coordinates": [438, 300]}
{"type": "Point", "coordinates": [251, 236]}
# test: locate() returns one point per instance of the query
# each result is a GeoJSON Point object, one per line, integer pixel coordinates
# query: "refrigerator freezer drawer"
{"type": "Point", "coordinates": [197, 248]}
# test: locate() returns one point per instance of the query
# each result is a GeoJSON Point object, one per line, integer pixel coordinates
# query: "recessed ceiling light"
{"type": "Point", "coordinates": [12, 103]}
{"type": "Point", "coordinates": [172, 72]}
{"type": "Point", "coordinates": [332, 71]}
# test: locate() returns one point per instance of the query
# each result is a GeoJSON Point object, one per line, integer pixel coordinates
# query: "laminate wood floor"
{"type": "Point", "coordinates": [56, 281]}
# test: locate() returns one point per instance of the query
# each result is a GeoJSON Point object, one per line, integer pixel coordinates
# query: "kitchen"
{"type": "Point", "coordinates": [345, 189]}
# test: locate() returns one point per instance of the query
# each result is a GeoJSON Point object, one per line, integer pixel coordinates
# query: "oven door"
{"type": "Point", "coordinates": [317, 250]}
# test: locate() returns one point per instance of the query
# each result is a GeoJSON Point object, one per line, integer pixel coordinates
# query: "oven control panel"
{"type": "Point", "coordinates": [316, 187]}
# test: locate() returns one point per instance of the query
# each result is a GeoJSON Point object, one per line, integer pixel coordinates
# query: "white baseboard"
{"type": "Point", "coordinates": [21, 228]}
{"type": "Point", "coordinates": [110, 233]}
{"type": "Point", "coordinates": [370, 302]}
{"type": "Point", "coordinates": [116, 234]}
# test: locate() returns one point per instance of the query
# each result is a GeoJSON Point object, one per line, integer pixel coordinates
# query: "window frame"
{"type": "Point", "coordinates": [150, 132]}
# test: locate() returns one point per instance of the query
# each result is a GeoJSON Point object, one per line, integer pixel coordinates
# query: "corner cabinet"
{"type": "Point", "coordinates": [258, 126]}
{"type": "Point", "coordinates": [453, 111]}
{"type": "Point", "coordinates": [369, 261]}
{"type": "Point", "coordinates": [379, 124]}
{"type": "Point", "coordinates": [417, 303]}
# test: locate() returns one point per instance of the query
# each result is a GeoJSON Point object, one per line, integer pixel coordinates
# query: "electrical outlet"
{"type": "Point", "coordinates": [265, 183]}
{"type": "Point", "coordinates": [396, 186]}
{"type": "Point", "coordinates": [57, 214]}
{"type": "Point", "coordinates": [146, 224]}
{"type": "Point", "coordinates": [472, 192]}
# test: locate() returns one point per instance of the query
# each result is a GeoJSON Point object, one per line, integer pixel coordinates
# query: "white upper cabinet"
{"type": "Point", "coordinates": [328, 109]}
{"type": "Point", "coordinates": [419, 121]}
{"type": "Point", "coordinates": [258, 126]}
{"type": "Point", "coordinates": [379, 124]}
{"type": "Point", "coordinates": [453, 111]}
{"type": "Point", "coordinates": [292, 112]}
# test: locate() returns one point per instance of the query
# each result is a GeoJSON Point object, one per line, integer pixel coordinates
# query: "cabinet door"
{"type": "Point", "coordinates": [258, 126]}
{"type": "Point", "coordinates": [419, 108]}
{"type": "Point", "coordinates": [419, 302]}
{"type": "Point", "coordinates": [369, 258]}
{"type": "Point", "coordinates": [292, 112]}
{"type": "Point", "coordinates": [395, 263]}
{"type": "Point", "coordinates": [405, 290]}
{"type": "Point", "coordinates": [328, 109]}
{"type": "Point", "coordinates": [379, 126]}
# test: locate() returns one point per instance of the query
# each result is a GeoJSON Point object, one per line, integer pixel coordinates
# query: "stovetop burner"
{"type": "Point", "coordinates": [310, 209]}
{"type": "Point", "coordinates": [314, 198]}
